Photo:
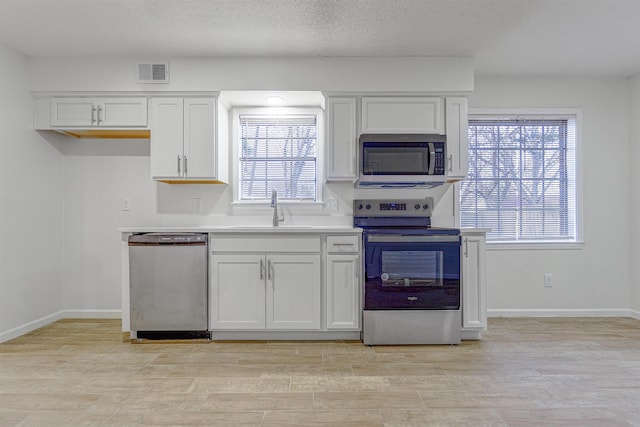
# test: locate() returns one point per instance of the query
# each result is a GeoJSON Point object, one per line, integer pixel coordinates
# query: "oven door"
{"type": "Point", "coordinates": [412, 272]}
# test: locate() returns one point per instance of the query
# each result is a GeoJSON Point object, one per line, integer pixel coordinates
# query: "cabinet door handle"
{"type": "Point", "coordinates": [344, 247]}
{"type": "Point", "coordinates": [178, 164]}
{"type": "Point", "coordinates": [261, 269]}
{"type": "Point", "coordinates": [450, 162]}
{"type": "Point", "coordinates": [93, 114]}
{"type": "Point", "coordinates": [185, 165]}
{"type": "Point", "coordinates": [269, 266]}
{"type": "Point", "coordinates": [466, 247]}
{"type": "Point", "coordinates": [99, 114]}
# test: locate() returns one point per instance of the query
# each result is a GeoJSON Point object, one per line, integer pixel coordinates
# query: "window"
{"type": "Point", "coordinates": [278, 151]}
{"type": "Point", "coordinates": [522, 179]}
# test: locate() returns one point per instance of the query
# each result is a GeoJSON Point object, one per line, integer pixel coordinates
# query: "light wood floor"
{"type": "Point", "coordinates": [582, 372]}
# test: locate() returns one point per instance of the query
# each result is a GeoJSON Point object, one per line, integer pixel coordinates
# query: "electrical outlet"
{"type": "Point", "coordinates": [125, 204]}
{"type": "Point", "coordinates": [548, 280]}
{"type": "Point", "coordinates": [196, 204]}
{"type": "Point", "coordinates": [331, 203]}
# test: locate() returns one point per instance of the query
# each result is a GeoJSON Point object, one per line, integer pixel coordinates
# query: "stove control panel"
{"type": "Point", "coordinates": [393, 207]}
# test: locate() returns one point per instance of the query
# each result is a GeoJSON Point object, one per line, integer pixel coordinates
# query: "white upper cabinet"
{"type": "Point", "coordinates": [403, 115]}
{"type": "Point", "coordinates": [457, 120]}
{"type": "Point", "coordinates": [167, 128]}
{"type": "Point", "coordinates": [183, 140]}
{"type": "Point", "coordinates": [341, 139]}
{"type": "Point", "coordinates": [98, 112]}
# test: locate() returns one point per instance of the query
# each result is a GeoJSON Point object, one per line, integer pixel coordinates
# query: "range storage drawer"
{"type": "Point", "coordinates": [265, 244]}
{"type": "Point", "coordinates": [342, 244]}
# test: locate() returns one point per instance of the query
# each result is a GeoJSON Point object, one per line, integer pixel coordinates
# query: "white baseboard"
{"type": "Point", "coordinates": [29, 326]}
{"type": "Point", "coordinates": [92, 314]}
{"type": "Point", "coordinates": [62, 314]}
{"type": "Point", "coordinates": [578, 312]}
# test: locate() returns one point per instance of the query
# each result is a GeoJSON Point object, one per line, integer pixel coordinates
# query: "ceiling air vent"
{"type": "Point", "coordinates": [153, 73]}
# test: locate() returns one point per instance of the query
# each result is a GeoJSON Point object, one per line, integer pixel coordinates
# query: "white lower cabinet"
{"type": "Point", "coordinates": [293, 291]}
{"type": "Point", "coordinates": [474, 301]}
{"type": "Point", "coordinates": [237, 292]}
{"type": "Point", "coordinates": [258, 291]}
{"type": "Point", "coordinates": [343, 291]}
{"type": "Point", "coordinates": [343, 272]}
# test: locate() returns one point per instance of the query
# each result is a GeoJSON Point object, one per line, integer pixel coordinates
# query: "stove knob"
{"type": "Point", "coordinates": [368, 206]}
{"type": "Point", "coordinates": [417, 206]}
{"type": "Point", "coordinates": [425, 206]}
{"type": "Point", "coordinates": [360, 206]}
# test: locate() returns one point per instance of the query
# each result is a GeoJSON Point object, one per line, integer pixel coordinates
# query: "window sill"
{"type": "Point", "coordinates": [502, 246]}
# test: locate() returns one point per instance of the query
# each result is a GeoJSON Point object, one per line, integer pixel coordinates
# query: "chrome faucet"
{"type": "Point", "coordinates": [277, 217]}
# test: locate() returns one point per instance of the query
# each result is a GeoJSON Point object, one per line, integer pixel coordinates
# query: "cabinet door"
{"type": "Point", "coordinates": [166, 126]}
{"type": "Point", "coordinates": [343, 292]}
{"type": "Point", "coordinates": [474, 306]}
{"type": "Point", "coordinates": [199, 138]}
{"type": "Point", "coordinates": [457, 140]}
{"type": "Point", "coordinates": [99, 112]}
{"type": "Point", "coordinates": [342, 139]}
{"type": "Point", "coordinates": [73, 112]}
{"type": "Point", "coordinates": [402, 115]}
{"type": "Point", "coordinates": [236, 292]}
{"type": "Point", "coordinates": [122, 112]}
{"type": "Point", "coordinates": [293, 291]}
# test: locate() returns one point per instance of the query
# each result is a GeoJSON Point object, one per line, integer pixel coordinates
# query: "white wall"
{"type": "Point", "coordinates": [399, 74]}
{"type": "Point", "coordinates": [634, 161]}
{"type": "Point", "coordinates": [596, 277]}
{"type": "Point", "coordinates": [31, 207]}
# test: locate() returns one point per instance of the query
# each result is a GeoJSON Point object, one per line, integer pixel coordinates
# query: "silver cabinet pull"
{"type": "Point", "coordinates": [450, 162]}
{"type": "Point", "coordinates": [93, 114]}
{"type": "Point", "coordinates": [261, 269]}
{"type": "Point", "coordinates": [99, 114]}
{"type": "Point", "coordinates": [466, 247]}
{"type": "Point", "coordinates": [269, 267]}
{"type": "Point", "coordinates": [178, 164]}
{"type": "Point", "coordinates": [185, 165]}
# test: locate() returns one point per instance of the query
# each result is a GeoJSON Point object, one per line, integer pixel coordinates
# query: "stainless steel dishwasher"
{"type": "Point", "coordinates": [168, 285]}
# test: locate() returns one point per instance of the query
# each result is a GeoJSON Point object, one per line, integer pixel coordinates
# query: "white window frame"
{"type": "Point", "coordinates": [578, 243]}
{"type": "Point", "coordinates": [235, 167]}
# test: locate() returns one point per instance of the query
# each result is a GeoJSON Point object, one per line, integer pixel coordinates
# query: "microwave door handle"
{"type": "Point", "coordinates": [432, 158]}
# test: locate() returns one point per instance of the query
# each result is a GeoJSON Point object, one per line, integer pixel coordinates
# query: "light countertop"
{"type": "Point", "coordinates": [315, 229]}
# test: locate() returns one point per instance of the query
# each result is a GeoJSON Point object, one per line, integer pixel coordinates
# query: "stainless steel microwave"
{"type": "Point", "coordinates": [392, 160]}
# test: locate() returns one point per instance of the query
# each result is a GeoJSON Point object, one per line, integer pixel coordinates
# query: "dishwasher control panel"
{"type": "Point", "coordinates": [168, 239]}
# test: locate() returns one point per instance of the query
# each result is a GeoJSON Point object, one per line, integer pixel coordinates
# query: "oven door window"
{"type": "Point", "coordinates": [412, 276]}
{"type": "Point", "coordinates": [411, 268]}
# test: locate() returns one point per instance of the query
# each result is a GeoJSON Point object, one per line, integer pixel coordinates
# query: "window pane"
{"type": "Point", "coordinates": [521, 180]}
{"type": "Point", "coordinates": [278, 152]}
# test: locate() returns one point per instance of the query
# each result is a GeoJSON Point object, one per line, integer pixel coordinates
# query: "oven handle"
{"type": "Point", "coordinates": [403, 238]}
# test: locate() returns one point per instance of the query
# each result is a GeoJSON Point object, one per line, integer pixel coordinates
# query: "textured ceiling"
{"type": "Point", "coordinates": [505, 37]}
